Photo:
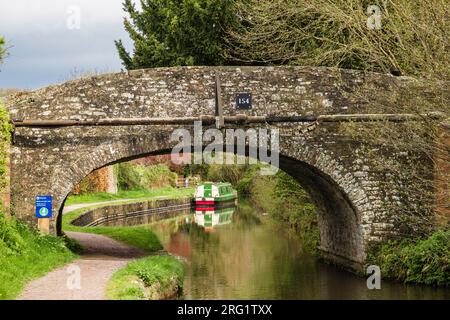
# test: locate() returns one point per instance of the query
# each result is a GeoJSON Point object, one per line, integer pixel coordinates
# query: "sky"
{"type": "Point", "coordinates": [52, 41]}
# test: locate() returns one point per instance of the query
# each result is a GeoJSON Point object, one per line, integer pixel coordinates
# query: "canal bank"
{"type": "Point", "coordinates": [421, 259]}
{"type": "Point", "coordinates": [27, 258]}
{"type": "Point", "coordinates": [123, 221]}
{"type": "Point", "coordinates": [132, 213]}
{"type": "Point", "coordinates": [153, 275]}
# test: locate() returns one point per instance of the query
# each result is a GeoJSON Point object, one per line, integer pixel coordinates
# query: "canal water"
{"type": "Point", "coordinates": [244, 255]}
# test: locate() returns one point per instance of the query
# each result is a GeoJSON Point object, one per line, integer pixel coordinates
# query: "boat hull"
{"type": "Point", "coordinates": [203, 204]}
{"type": "Point", "coordinates": [213, 195]}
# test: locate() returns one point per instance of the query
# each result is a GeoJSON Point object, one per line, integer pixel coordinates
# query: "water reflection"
{"type": "Point", "coordinates": [210, 218]}
{"type": "Point", "coordinates": [249, 257]}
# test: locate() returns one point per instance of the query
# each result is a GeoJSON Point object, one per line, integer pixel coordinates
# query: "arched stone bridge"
{"type": "Point", "coordinates": [358, 204]}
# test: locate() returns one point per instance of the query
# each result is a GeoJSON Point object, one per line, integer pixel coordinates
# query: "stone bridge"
{"type": "Point", "coordinates": [358, 204]}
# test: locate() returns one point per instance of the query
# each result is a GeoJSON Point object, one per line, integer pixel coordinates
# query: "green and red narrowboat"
{"type": "Point", "coordinates": [210, 195]}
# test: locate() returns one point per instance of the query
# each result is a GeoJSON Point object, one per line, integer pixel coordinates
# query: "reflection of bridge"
{"type": "Point", "coordinates": [358, 204]}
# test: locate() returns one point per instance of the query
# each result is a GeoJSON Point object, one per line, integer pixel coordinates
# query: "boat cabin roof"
{"type": "Point", "coordinates": [219, 184]}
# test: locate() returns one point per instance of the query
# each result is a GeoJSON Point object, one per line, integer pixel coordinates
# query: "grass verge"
{"type": "Point", "coordinates": [168, 192]}
{"type": "Point", "coordinates": [151, 278]}
{"type": "Point", "coordinates": [26, 255]}
{"type": "Point", "coordinates": [137, 236]}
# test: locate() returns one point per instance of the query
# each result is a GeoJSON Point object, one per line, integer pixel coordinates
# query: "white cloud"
{"type": "Point", "coordinates": [42, 15]}
{"type": "Point", "coordinates": [42, 45]}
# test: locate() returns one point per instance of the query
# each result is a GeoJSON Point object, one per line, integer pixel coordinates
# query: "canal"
{"type": "Point", "coordinates": [245, 255]}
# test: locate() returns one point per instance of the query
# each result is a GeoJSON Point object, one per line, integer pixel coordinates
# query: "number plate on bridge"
{"type": "Point", "coordinates": [244, 101]}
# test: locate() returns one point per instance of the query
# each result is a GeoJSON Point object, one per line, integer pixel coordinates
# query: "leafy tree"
{"type": "Point", "coordinates": [411, 39]}
{"type": "Point", "coordinates": [2, 49]}
{"type": "Point", "coordinates": [176, 33]}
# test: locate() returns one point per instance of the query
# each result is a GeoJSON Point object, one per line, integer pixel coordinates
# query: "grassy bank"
{"type": "Point", "coordinates": [137, 236]}
{"type": "Point", "coordinates": [425, 261]}
{"type": "Point", "coordinates": [168, 192]}
{"type": "Point", "coordinates": [151, 278]}
{"type": "Point", "coordinates": [26, 255]}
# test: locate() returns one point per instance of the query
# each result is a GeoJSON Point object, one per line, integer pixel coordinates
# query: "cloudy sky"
{"type": "Point", "coordinates": [50, 41]}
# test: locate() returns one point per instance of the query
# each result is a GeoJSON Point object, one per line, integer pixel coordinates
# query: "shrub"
{"type": "Point", "coordinates": [197, 169]}
{"type": "Point", "coordinates": [157, 176]}
{"type": "Point", "coordinates": [232, 173]}
{"type": "Point", "coordinates": [96, 181]}
{"type": "Point", "coordinates": [2, 49]}
{"type": "Point", "coordinates": [128, 177]}
{"type": "Point", "coordinates": [286, 201]}
{"type": "Point", "coordinates": [413, 38]}
{"type": "Point", "coordinates": [424, 261]}
{"type": "Point", "coordinates": [244, 185]}
{"type": "Point", "coordinates": [131, 176]}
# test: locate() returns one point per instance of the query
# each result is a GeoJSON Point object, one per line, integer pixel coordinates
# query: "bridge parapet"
{"type": "Point", "coordinates": [190, 92]}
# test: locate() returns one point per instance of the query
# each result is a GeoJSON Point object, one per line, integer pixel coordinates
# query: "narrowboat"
{"type": "Point", "coordinates": [210, 195]}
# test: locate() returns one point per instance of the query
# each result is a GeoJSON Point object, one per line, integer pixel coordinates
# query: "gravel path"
{"type": "Point", "coordinates": [101, 257]}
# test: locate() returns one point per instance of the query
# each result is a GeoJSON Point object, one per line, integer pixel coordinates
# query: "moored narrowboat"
{"type": "Point", "coordinates": [210, 194]}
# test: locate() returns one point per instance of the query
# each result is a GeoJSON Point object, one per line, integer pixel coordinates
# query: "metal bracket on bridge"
{"type": "Point", "coordinates": [220, 119]}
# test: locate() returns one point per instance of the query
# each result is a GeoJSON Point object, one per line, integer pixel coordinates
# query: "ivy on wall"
{"type": "Point", "coordinates": [5, 138]}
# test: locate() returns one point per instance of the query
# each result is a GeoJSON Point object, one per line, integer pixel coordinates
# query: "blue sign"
{"type": "Point", "coordinates": [43, 207]}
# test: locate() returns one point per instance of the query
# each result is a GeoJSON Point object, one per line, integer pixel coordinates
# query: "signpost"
{"type": "Point", "coordinates": [44, 213]}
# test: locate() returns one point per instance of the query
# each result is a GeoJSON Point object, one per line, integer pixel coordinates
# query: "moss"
{"type": "Point", "coordinates": [5, 138]}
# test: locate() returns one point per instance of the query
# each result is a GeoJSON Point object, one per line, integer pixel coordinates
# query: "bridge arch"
{"type": "Point", "coordinates": [339, 207]}
{"type": "Point", "coordinates": [350, 191]}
